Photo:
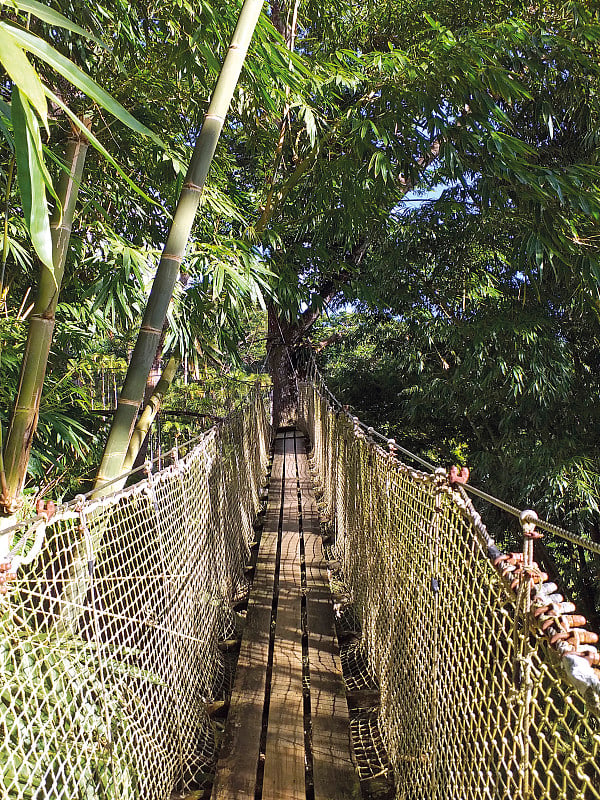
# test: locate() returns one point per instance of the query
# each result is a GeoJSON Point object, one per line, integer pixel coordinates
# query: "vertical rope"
{"type": "Point", "coordinates": [528, 519]}
{"type": "Point", "coordinates": [150, 480]}
{"type": "Point", "coordinates": [94, 604]}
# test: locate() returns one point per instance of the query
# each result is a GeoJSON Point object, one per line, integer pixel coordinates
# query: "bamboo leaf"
{"type": "Point", "coordinates": [4, 120]}
{"type": "Point", "coordinates": [98, 145]}
{"type": "Point", "coordinates": [79, 79]}
{"type": "Point", "coordinates": [20, 71]}
{"type": "Point", "coordinates": [52, 17]}
{"type": "Point", "coordinates": [31, 177]}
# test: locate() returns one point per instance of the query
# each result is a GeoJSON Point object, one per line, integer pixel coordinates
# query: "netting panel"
{"type": "Point", "coordinates": [109, 650]}
{"type": "Point", "coordinates": [443, 637]}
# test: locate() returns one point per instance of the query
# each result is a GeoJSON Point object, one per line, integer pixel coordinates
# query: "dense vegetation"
{"type": "Point", "coordinates": [465, 319]}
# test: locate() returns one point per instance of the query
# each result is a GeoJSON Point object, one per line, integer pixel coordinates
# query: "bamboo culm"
{"type": "Point", "coordinates": [168, 270]}
{"type": "Point", "coordinates": [149, 413]}
{"type": "Point", "coordinates": [41, 328]}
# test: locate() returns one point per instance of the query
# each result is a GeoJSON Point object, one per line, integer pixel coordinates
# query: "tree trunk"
{"type": "Point", "coordinates": [41, 328]}
{"type": "Point", "coordinates": [281, 337]}
{"type": "Point", "coordinates": [168, 271]}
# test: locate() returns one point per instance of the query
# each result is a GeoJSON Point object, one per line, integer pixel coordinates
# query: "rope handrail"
{"type": "Point", "coordinates": [72, 504]}
{"type": "Point", "coordinates": [112, 612]}
{"type": "Point", "coordinates": [549, 527]}
{"type": "Point", "coordinates": [475, 651]}
{"type": "Point", "coordinates": [110, 659]}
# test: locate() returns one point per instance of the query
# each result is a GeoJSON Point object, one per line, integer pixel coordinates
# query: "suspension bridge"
{"type": "Point", "coordinates": [290, 614]}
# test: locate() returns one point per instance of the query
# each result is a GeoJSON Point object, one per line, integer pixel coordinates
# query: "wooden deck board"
{"type": "Point", "coordinates": [235, 777]}
{"type": "Point", "coordinates": [284, 768]}
{"type": "Point", "coordinates": [284, 757]}
{"type": "Point", "coordinates": [335, 777]}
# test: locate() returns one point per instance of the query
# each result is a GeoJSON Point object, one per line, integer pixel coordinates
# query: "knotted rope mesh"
{"type": "Point", "coordinates": [109, 637]}
{"type": "Point", "coordinates": [474, 702]}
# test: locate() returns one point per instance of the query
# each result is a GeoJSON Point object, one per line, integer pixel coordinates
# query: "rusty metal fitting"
{"type": "Point", "coordinates": [558, 611]}
{"type": "Point", "coordinates": [568, 621]}
{"type": "Point", "coordinates": [575, 620]}
{"type": "Point", "coordinates": [531, 572]}
{"type": "Point", "coordinates": [45, 509]}
{"type": "Point", "coordinates": [550, 609]}
{"type": "Point", "coordinates": [528, 519]}
{"type": "Point", "coordinates": [6, 574]}
{"type": "Point", "coordinates": [536, 574]}
{"type": "Point", "coordinates": [506, 567]}
{"type": "Point", "coordinates": [510, 558]}
{"type": "Point", "coordinates": [454, 476]}
{"type": "Point", "coordinates": [575, 637]}
{"type": "Point", "coordinates": [591, 654]}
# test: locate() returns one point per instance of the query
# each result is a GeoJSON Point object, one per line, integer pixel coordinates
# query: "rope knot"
{"type": "Point", "coordinates": [528, 519]}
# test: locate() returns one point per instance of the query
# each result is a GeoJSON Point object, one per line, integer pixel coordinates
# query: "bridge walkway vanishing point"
{"type": "Point", "coordinates": [287, 733]}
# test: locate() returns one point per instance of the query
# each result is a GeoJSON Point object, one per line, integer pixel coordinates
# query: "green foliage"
{"type": "Point", "coordinates": [29, 107]}
{"type": "Point", "coordinates": [53, 696]}
{"type": "Point", "coordinates": [473, 363]}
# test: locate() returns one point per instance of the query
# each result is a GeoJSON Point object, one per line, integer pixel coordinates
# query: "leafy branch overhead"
{"type": "Point", "coordinates": [28, 111]}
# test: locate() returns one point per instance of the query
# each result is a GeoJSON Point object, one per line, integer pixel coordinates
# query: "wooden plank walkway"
{"type": "Point", "coordinates": [287, 735]}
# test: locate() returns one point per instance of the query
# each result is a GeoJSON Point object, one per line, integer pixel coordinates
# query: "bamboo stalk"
{"type": "Point", "coordinates": [41, 328]}
{"type": "Point", "coordinates": [149, 413]}
{"type": "Point", "coordinates": [148, 339]}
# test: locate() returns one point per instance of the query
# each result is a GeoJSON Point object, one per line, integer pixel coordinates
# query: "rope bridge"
{"type": "Point", "coordinates": [463, 662]}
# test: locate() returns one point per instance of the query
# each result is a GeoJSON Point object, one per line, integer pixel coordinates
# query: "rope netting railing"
{"type": "Point", "coordinates": [109, 653]}
{"type": "Point", "coordinates": [485, 673]}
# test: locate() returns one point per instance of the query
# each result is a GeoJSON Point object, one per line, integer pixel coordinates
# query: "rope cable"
{"type": "Point", "coordinates": [549, 527]}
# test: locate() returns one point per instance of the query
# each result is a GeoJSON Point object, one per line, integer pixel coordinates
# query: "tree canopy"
{"type": "Point", "coordinates": [414, 184]}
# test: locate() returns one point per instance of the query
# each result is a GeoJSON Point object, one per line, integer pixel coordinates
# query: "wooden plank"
{"type": "Point", "coordinates": [285, 754]}
{"type": "Point", "coordinates": [238, 758]}
{"type": "Point", "coordinates": [284, 768]}
{"type": "Point", "coordinates": [335, 776]}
